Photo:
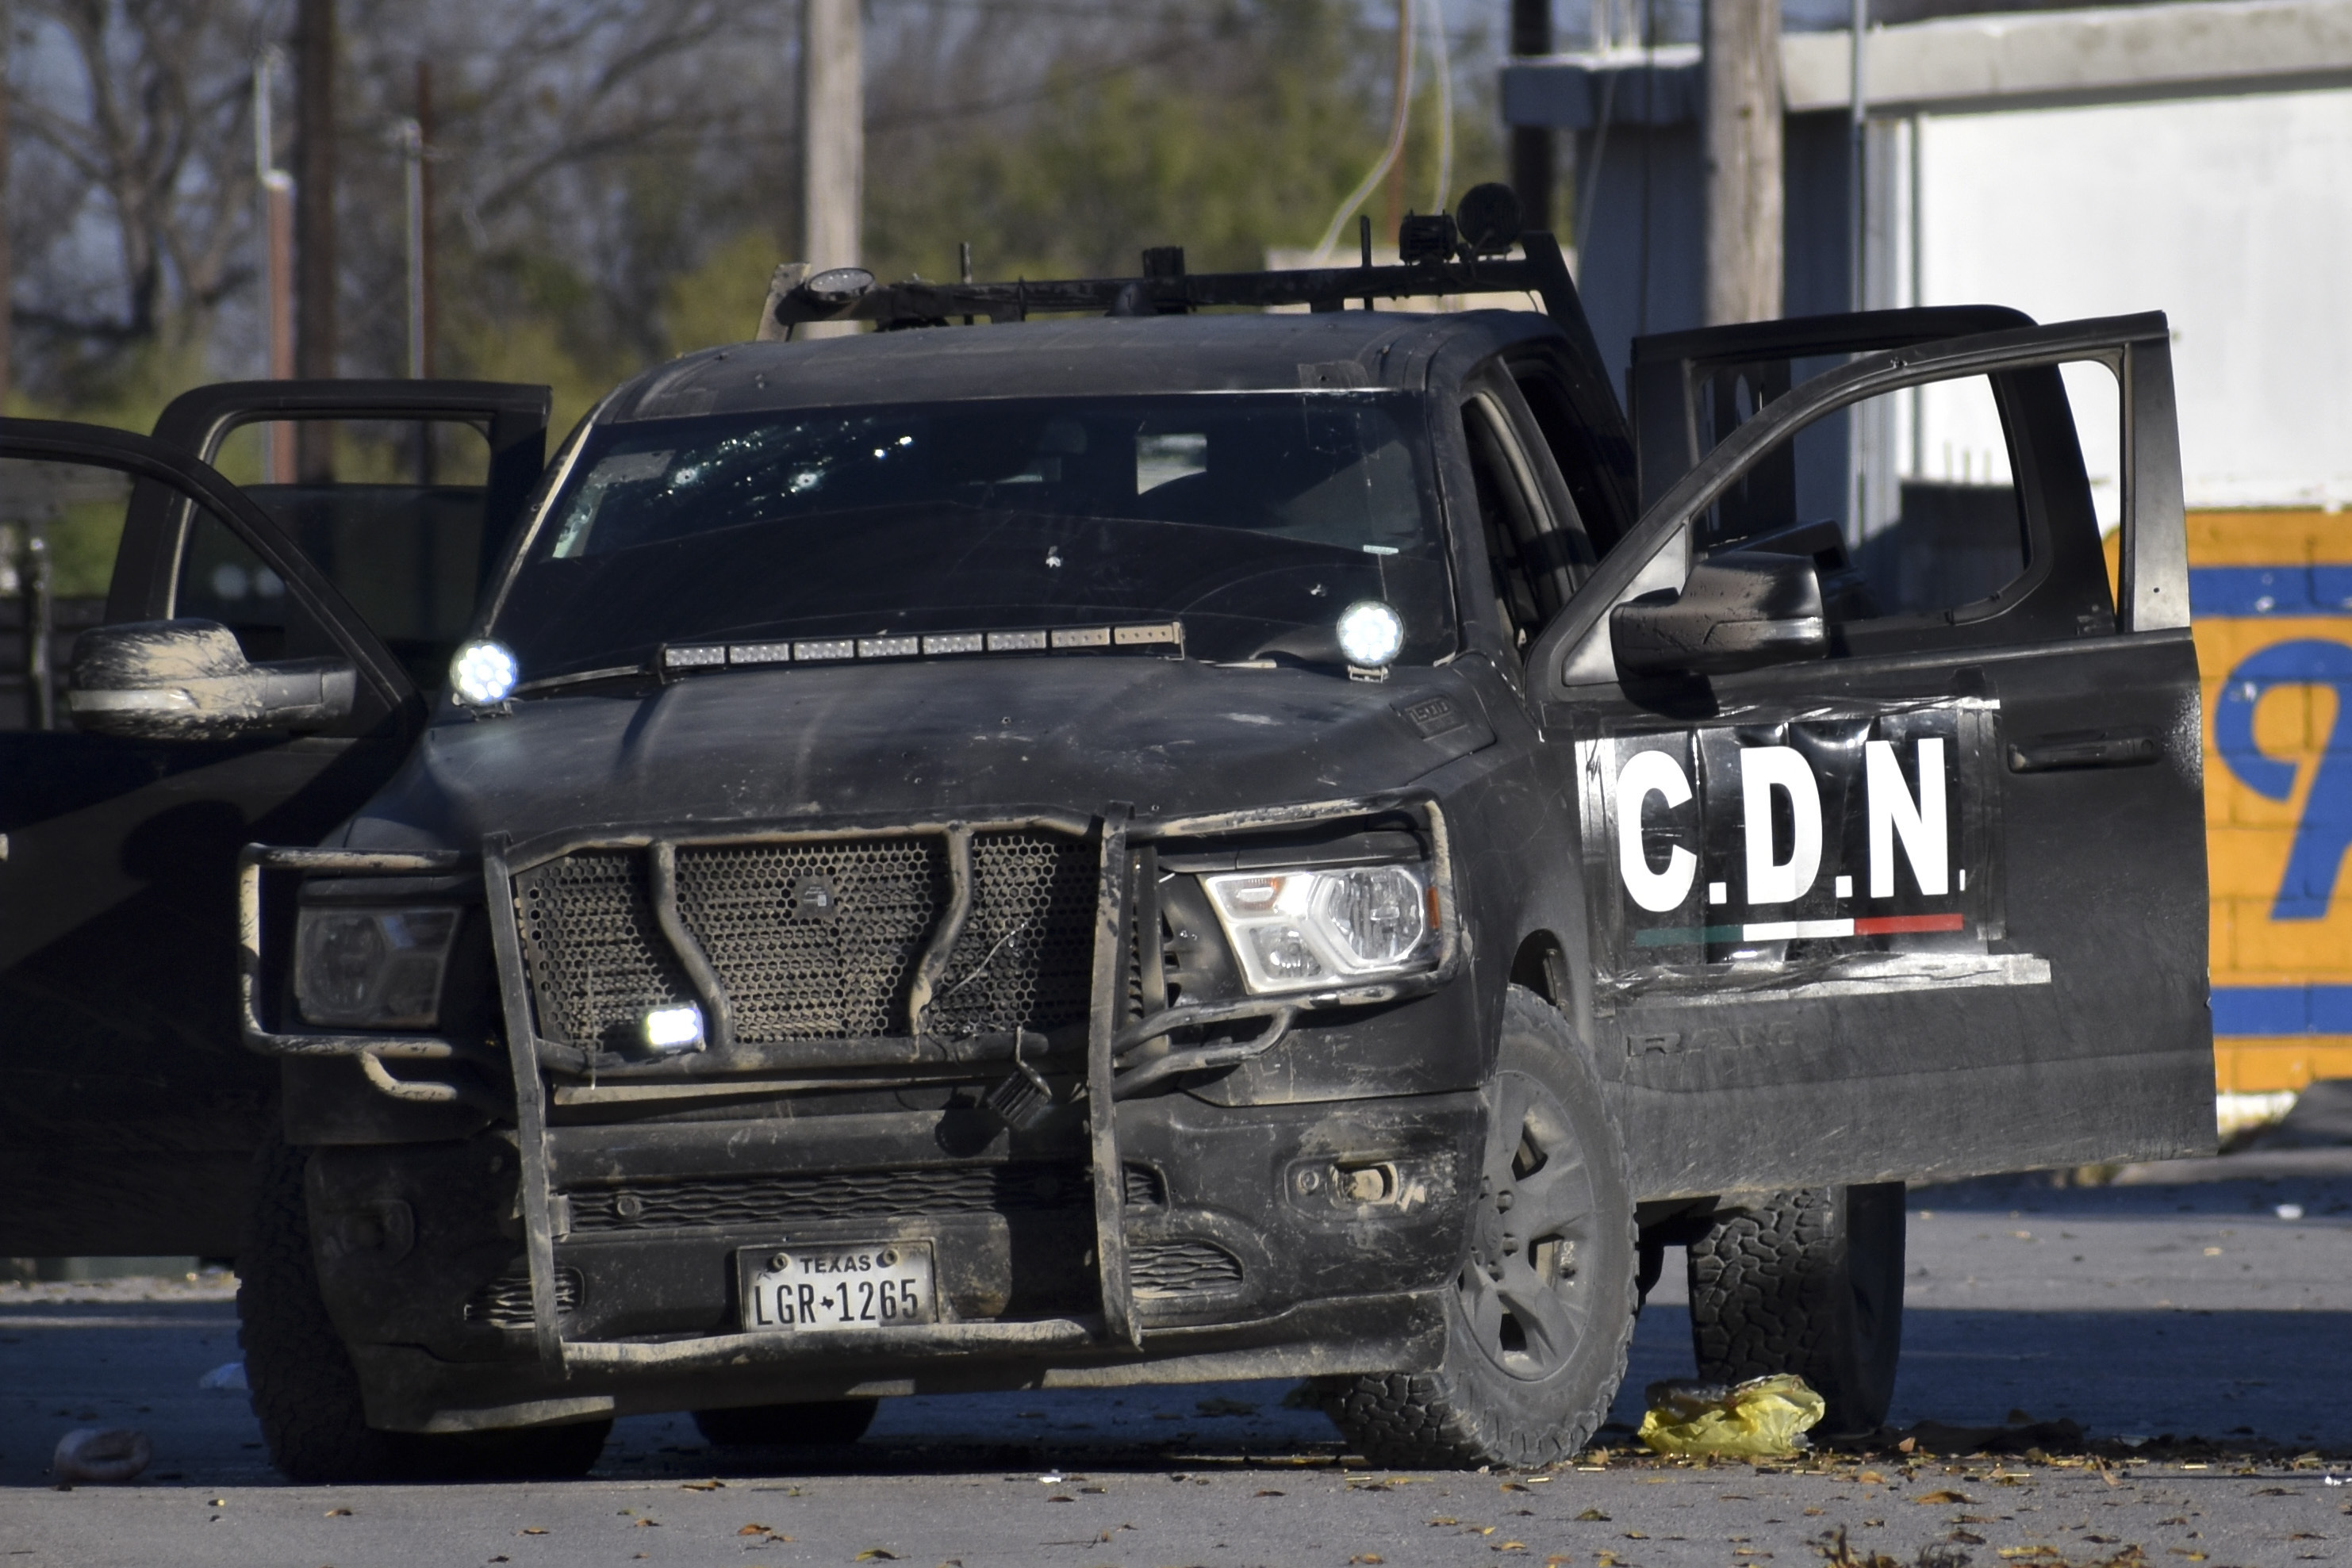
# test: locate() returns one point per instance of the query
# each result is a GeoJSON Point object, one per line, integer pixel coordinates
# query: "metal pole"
{"type": "Point", "coordinates": [1857, 212]}
{"type": "Point", "coordinates": [7, 259]}
{"type": "Point", "coordinates": [412, 154]}
{"type": "Point", "coordinates": [40, 686]}
{"type": "Point", "coordinates": [277, 196]}
{"type": "Point", "coordinates": [314, 221]}
{"type": "Point", "coordinates": [1857, 157]}
{"type": "Point", "coordinates": [1392, 214]}
{"type": "Point", "coordinates": [1533, 147]}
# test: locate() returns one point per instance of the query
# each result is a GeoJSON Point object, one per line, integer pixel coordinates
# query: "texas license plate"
{"type": "Point", "coordinates": [838, 1285]}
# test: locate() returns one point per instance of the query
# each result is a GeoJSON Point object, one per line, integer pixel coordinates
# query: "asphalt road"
{"type": "Point", "coordinates": [2199, 1337]}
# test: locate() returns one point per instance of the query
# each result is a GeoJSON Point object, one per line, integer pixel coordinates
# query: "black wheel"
{"type": "Point", "coordinates": [754, 1426]}
{"type": "Point", "coordinates": [1540, 1317]}
{"type": "Point", "coordinates": [1809, 1281]}
{"type": "Point", "coordinates": [304, 1391]}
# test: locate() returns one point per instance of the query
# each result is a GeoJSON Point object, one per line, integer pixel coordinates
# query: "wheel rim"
{"type": "Point", "coordinates": [1526, 1291]}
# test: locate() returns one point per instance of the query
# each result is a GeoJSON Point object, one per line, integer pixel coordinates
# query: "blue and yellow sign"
{"type": "Point", "coordinates": [2270, 595]}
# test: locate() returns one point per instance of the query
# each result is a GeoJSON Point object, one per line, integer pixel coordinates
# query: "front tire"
{"type": "Point", "coordinates": [1810, 1282]}
{"type": "Point", "coordinates": [1540, 1317]}
{"type": "Point", "coordinates": [306, 1394]}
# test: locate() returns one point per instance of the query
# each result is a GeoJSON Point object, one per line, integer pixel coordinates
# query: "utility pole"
{"type": "Point", "coordinates": [1858, 162]}
{"type": "Point", "coordinates": [416, 148]}
{"type": "Point", "coordinates": [314, 223]}
{"type": "Point", "coordinates": [832, 141]}
{"type": "Point", "coordinates": [1394, 215]}
{"type": "Point", "coordinates": [276, 187]}
{"type": "Point", "coordinates": [417, 153]}
{"type": "Point", "coordinates": [1744, 196]}
{"type": "Point", "coordinates": [412, 158]}
{"type": "Point", "coordinates": [1533, 172]}
{"type": "Point", "coordinates": [7, 258]}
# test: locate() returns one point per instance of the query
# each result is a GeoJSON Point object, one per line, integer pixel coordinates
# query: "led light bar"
{"type": "Point", "coordinates": [1165, 638]}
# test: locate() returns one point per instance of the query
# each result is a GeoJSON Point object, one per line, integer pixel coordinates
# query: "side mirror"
{"type": "Point", "coordinates": [188, 680]}
{"type": "Point", "coordinates": [1737, 611]}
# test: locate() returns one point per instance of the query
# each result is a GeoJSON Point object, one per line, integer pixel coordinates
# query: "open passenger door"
{"type": "Point", "coordinates": [1894, 870]}
{"type": "Point", "coordinates": [129, 1108]}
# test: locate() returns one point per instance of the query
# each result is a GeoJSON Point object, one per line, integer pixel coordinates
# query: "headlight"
{"type": "Point", "coordinates": [1298, 930]}
{"type": "Point", "coordinates": [373, 969]}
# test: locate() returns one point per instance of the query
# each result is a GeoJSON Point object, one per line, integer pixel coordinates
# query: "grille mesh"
{"type": "Point", "coordinates": [1029, 1187]}
{"type": "Point", "coordinates": [505, 1302]}
{"type": "Point", "coordinates": [816, 941]}
{"type": "Point", "coordinates": [1162, 1269]}
{"type": "Point", "coordinates": [794, 975]}
{"type": "Point", "coordinates": [1025, 958]}
{"type": "Point", "coordinates": [596, 959]}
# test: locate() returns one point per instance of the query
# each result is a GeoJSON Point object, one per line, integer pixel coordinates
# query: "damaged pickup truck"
{"type": "Point", "coordinates": [1154, 844]}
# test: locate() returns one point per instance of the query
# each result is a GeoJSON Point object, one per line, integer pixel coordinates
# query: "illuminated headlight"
{"type": "Point", "coordinates": [669, 1031]}
{"type": "Point", "coordinates": [483, 674]}
{"type": "Point", "coordinates": [1301, 930]}
{"type": "Point", "coordinates": [371, 969]}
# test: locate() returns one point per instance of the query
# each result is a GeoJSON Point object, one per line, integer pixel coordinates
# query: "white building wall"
{"type": "Point", "coordinates": [2231, 215]}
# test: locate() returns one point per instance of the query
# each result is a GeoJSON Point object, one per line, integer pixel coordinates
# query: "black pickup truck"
{"type": "Point", "coordinates": [1133, 842]}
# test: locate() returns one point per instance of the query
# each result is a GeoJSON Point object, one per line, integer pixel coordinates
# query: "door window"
{"type": "Point", "coordinates": [1949, 515]}
{"type": "Point", "coordinates": [397, 525]}
{"type": "Point", "coordinates": [1536, 549]}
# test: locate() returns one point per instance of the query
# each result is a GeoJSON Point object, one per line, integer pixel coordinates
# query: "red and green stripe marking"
{"type": "Point", "coordinates": [1791, 930]}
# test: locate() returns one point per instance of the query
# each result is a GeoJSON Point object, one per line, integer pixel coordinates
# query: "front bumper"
{"type": "Point", "coordinates": [1303, 1281]}
{"type": "Point", "coordinates": [1320, 1277]}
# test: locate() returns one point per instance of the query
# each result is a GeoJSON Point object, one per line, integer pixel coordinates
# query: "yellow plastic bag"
{"type": "Point", "coordinates": [1762, 1419]}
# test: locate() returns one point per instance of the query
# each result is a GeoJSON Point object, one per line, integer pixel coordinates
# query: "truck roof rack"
{"type": "Point", "coordinates": [1440, 256]}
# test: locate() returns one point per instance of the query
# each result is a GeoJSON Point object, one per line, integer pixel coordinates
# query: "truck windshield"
{"type": "Point", "coordinates": [1255, 518]}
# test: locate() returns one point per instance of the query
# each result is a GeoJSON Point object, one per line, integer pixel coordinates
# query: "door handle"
{"type": "Point", "coordinates": [2053, 753]}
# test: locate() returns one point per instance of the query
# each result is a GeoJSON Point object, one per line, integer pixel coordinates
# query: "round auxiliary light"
{"type": "Point", "coordinates": [483, 673]}
{"type": "Point", "coordinates": [1370, 634]}
{"type": "Point", "coordinates": [838, 284]}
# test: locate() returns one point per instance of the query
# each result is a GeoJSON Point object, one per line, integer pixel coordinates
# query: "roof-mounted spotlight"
{"type": "Point", "coordinates": [1489, 218]}
{"type": "Point", "coordinates": [838, 286]}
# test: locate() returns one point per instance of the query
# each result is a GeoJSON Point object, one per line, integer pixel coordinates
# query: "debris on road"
{"type": "Point", "coordinates": [86, 1455]}
{"type": "Point", "coordinates": [227, 1375]}
{"type": "Point", "coordinates": [1764, 1418]}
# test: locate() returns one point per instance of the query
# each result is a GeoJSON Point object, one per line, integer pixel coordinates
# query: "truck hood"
{"type": "Point", "coordinates": [923, 742]}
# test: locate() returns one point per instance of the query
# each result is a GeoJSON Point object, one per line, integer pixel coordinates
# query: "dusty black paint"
{"type": "Point", "coordinates": [1753, 1081]}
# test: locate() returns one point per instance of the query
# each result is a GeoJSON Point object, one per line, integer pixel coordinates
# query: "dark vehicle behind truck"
{"type": "Point", "coordinates": [1151, 845]}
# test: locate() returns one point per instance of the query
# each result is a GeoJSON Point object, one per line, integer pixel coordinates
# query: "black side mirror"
{"type": "Point", "coordinates": [188, 680]}
{"type": "Point", "coordinates": [1737, 611]}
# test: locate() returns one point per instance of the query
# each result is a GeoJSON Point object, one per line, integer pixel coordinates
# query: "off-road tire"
{"type": "Point", "coordinates": [1810, 1282]}
{"type": "Point", "coordinates": [796, 1426]}
{"type": "Point", "coordinates": [1488, 1403]}
{"type": "Point", "coordinates": [304, 1391]}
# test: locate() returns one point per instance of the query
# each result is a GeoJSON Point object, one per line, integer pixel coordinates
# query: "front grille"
{"type": "Point", "coordinates": [1144, 1188]}
{"type": "Point", "coordinates": [792, 974]}
{"type": "Point", "coordinates": [505, 1302]}
{"type": "Point", "coordinates": [1157, 1270]}
{"type": "Point", "coordinates": [816, 940]}
{"type": "Point", "coordinates": [1031, 1188]}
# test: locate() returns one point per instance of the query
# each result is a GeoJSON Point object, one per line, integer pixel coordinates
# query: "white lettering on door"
{"type": "Point", "coordinates": [1762, 769]}
{"type": "Point", "coordinates": [1648, 773]}
{"type": "Point", "coordinates": [1918, 823]}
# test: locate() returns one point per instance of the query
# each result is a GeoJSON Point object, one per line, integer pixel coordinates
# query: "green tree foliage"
{"type": "Point", "coordinates": [1240, 133]}
{"type": "Point", "coordinates": [615, 178]}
